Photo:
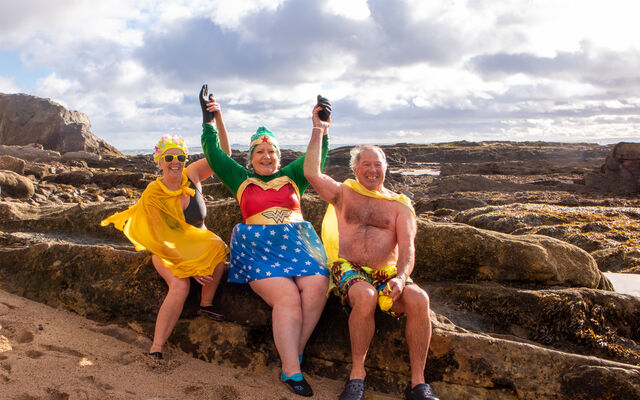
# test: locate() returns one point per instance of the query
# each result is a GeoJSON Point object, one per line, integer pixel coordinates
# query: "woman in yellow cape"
{"type": "Point", "coordinates": [168, 220]}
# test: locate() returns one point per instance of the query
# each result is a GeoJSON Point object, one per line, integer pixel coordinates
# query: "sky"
{"type": "Point", "coordinates": [395, 71]}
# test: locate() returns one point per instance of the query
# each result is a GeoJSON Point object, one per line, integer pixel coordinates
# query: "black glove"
{"type": "Point", "coordinates": [205, 98]}
{"type": "Point", "coordinates": [326, 108]}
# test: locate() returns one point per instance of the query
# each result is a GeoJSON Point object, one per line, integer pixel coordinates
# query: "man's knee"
{"type": "Point", "coordinates": [416, 299]}
{"type": "Point", "coordinates": [362, 295]}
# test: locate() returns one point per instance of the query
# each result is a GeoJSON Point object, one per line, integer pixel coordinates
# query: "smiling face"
{"type": "Point", "coordinates": [265, 159]}
{"type": "Point", "coordinates": [173, 169]}
{"type": "Point", "coordinates": [371, 169]}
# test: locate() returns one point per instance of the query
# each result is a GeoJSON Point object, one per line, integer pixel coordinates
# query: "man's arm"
{"type": "Point", "coordinates": [406, 229]}
{"type": "Point", "coordinates": [327, 188]}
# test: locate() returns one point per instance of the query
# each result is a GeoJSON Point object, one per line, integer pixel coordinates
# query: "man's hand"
{"type": "Point", "coordinates": [205, 97]}
{"type": "Point", "coordinates": [317, 121]}
{"type": "Point", "coordinates": [397, 287]}
{"type": "Point", "coordinates": [203, 280]}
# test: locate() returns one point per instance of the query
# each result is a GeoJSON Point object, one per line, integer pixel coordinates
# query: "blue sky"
{"type": "Point", "coordinates": [395, 70]}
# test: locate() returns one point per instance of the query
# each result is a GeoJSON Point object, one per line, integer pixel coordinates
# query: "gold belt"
{"type": "Point", "coordinates": [273, 216]}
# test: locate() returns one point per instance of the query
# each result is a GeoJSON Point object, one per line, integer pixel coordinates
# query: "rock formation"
{"type": "Point", "coordinates": [27, 119]}
{"type": "Point", "coordinates": [620, 172]}
{"type": "Point", "coordinates": [520, 307]}
{"type": "Point", "coordinates": [609, 234]}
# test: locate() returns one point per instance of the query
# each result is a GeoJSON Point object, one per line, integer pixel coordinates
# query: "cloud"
{"type": "Point", "coordinates": [406, 70]}
{"type": "Point", "coordinates": [600, 67]}
{"type": "Point", "coordinates": [8, 86]}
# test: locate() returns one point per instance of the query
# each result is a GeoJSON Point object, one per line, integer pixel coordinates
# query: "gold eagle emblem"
{"type": "Point", "coordinates": [279, 216]}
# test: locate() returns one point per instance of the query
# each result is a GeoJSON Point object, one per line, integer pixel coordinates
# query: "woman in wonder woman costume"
{"type": "Point", "coordinates": [168, 220]}
{"type": "Point", "coordinates": [274, 249]}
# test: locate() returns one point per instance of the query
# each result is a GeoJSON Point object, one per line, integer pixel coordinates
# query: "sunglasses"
{"type": "Point", "coordinates": [169, 157]}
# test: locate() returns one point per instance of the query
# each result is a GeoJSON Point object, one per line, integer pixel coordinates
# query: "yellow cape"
{"type": "Point", "coordinates": [156, 223]}
{"type": "Point", "coordinates": [330, 237]}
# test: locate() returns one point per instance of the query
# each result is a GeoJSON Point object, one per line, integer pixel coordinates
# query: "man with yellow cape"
{"type": "Point", "coordinates": [373, 255]}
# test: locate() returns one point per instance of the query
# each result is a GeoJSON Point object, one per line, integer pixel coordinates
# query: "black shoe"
{"type": "Point", "coordinates": [353, 390]}
{"type": "Point", "coordinates": [211, 312]}
{"type": "Point", "coordinates": [421, 391]}
{"type": "Point", "coordinates": [300, 388]}
{"type": "Point", "coordinates": [156, 356]}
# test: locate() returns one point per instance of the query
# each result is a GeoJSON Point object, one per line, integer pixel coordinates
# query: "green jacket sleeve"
{"type": "Point", "coordinates": [226, 168]}
{"type": "Point", "coordinates": [295, 170]}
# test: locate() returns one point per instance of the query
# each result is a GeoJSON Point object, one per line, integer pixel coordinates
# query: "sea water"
{"type": "Point", "coordinates": [624, 283]}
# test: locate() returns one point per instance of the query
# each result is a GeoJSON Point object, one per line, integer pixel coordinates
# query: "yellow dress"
{"type": "Point", "coordinates": [156, 223]}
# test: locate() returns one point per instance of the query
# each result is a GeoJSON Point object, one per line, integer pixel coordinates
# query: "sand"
{"type": "Point", "coordinates": [52, 354]}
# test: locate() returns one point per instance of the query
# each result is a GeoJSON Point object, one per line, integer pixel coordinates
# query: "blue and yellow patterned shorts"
{"type": "Point", "coordinates": [345, 273]}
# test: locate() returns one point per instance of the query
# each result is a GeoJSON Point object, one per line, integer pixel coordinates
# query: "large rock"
{"type": "Point", "coordinates": [12, 164]}
{"type": "Point", "coordinates": [15, 185]}
{"type": "Point", "coordinates": [111, 283]}
{"type": "Point", "coordinates": [27, 119]}
{"type": "Point", "coordinates": [463, 253]}
{"type": "Point", "coordinates": [609, 234]}
{"type": "Point", "coordinates": [31, 152]}
{"type": "Point", "coordinates": [620, 172]}
{"type": "Point", "coordinates": [583, 321]}
{"type": "Point", "coordinates": [443, 251]}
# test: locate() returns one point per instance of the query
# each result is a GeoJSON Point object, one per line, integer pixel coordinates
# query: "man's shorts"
{"type": "Point", "coordinates": [345, 273]}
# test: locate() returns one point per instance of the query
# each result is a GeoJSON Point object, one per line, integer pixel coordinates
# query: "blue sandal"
{"type": "Point", "coordinates": [297, 384]}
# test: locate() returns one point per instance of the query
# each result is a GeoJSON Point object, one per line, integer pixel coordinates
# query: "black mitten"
{"type": "Point", "coordinates": [326, 108]}
{"type": "Point", "coordinates": [205, 98]}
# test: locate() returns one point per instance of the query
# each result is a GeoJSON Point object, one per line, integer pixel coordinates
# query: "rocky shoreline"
{"type": "Point", "coordinates": [513, 239]}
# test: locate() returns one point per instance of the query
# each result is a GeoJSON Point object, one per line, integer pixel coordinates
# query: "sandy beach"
{"type": "Point", "coordinates": [47, 353]}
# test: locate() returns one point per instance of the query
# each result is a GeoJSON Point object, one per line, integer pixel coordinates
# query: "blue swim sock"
{"type": "Point", "coordinates": [300, 358]}
{"type": "Point", "coordinates": [295, 377]}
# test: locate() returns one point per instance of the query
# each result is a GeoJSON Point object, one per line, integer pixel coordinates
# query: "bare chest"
{"type": "Point", "coordinates": [368, 230]}
{"type": "Point", "coordinates": [365, 212]}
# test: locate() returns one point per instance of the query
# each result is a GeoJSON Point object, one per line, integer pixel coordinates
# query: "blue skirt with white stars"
{"type": "Point", "coordinates": [267, 251]}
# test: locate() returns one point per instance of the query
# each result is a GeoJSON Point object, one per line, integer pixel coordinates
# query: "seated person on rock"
{"type": "Point", "coordinates": [274, 250]}
{"type": "Point", "coordinates": [371, 259]}
{"type": "Point", "coordinates": [168, 220]}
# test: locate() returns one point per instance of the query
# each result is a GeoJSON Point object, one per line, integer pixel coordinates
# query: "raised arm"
{"type": "Point", "coordinates": [199, 170]}
{"type": "Point", "coordinates": [327, 188]}
{"type": "Point", "coordinates": [216, 147]}
{"type": "Point", "coordinates": [211, 111]}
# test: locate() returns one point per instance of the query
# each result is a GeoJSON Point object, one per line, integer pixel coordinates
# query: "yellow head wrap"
{"type": "Point", "coordinates": [168, 142]}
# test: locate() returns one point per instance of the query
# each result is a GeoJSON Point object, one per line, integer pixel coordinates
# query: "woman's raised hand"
{"type": "Point", "coordinates": [205, 100]}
